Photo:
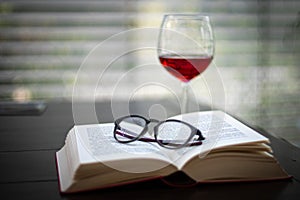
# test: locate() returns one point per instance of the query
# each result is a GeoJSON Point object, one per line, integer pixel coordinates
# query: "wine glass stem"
{"type": "Point", "coordinates": [184, 98]}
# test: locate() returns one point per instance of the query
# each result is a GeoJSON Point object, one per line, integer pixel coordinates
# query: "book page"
{"type": "Point", "coordinates": [97, 144]}
{"type": "Point", "coordinates": [219, 130]}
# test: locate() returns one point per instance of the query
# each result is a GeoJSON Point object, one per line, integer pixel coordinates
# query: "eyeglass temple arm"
{"type": "Point", "coordinates": [196, 142]}
{"type": "Point", "coordinates": [119, 132]}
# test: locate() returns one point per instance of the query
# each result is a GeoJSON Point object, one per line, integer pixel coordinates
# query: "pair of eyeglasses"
{"type": "Point", "coordinates": [171, 133]}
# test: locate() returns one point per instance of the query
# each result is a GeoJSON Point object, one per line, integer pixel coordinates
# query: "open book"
{"type": "Point", "coordinates": [91, 158]}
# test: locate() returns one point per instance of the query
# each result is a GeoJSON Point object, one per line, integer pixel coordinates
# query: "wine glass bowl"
{"type": "Point", "coordinates": [185, 68]}
{"type": "Point", "coordinates": [185, 47]}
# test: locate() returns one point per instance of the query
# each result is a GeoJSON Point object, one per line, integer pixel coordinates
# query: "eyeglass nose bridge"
{"type": "Point", "coordinates": [151, 128]}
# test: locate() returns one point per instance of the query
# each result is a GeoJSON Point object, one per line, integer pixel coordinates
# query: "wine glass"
{"type": "Point", "coordinates": [185, 47]}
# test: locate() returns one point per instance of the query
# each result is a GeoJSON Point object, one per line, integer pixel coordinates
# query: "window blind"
{"type": "Point", "coordinates": [44, 42]}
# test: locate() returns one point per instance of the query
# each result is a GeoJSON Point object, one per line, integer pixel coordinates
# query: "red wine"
{"type": "Point", "coordinates": [187, 67]}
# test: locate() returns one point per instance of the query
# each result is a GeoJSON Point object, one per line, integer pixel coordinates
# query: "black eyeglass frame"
{"type": "Point", "coordinates": [194, 132]}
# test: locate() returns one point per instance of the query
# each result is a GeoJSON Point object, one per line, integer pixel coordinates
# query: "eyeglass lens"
{"type": "Point", "coordinates": [173, 134]}
{"type": "Point", "coordinates": [132, 127]}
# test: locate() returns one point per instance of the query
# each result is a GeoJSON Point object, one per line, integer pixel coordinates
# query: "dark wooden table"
{"type": "Point", "coordinates": [28, 171]}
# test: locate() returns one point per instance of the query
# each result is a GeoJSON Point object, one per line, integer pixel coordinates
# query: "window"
{"type": "Point", "coordinates": [43, 44]}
